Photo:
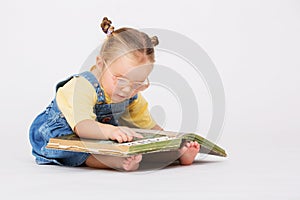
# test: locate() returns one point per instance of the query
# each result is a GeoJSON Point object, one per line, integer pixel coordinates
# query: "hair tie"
{"type": "Point", "coordinates": [110, 30]}
{"type": "Point", "coordinates": [106, 26]}
{"type": "Point", "coordinates": [154, 40]}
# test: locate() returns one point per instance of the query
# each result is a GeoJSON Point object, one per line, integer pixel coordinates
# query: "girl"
{"type": "Point", "coordinates": [94, 103]}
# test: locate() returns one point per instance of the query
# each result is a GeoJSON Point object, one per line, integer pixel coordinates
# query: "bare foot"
{"type": "Point", "coordinates": [188, 153]}
{"type": "Point", "coordinates": [103, 161]}
{"type": "Point", "coordinates": [131, 163]}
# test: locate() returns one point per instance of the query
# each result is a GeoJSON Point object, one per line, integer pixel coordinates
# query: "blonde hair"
{"type": "Point", "coordinates": [126, 41]}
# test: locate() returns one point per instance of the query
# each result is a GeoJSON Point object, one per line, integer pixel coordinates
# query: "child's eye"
{"type": "Point", "coordinates": [122, 82]}
{"type": "Point", "coordinates": [137, 85]}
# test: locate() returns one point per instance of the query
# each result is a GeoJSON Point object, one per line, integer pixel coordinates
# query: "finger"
{"type": "Point", "coordinates": [127, 131]}
{"type": "Point", "coordinates": [138, 135]}
{"type": "Point", "coordinates": [130, 133]}
{"type": "Point", "coordinates": [129, 138]}
{"type": "Point", "coordinates": [119, 138]}
{"type": "Point", "coordinates": [123, 136]}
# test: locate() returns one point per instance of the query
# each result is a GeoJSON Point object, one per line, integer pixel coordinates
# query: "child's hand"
{"type": "Point", "coordinates": [123, 134]}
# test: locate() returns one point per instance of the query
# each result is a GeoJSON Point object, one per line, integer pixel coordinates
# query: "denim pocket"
{"type": "Point", "coordinates": [56, 125]}
{"type": "Point", "coordinates": [110, 118]}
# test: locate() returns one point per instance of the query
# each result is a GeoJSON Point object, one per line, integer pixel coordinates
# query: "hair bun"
{"type": "Point", "coordinates": [106, 26]}
{"type": "Point", "coordinates": [154, 40]}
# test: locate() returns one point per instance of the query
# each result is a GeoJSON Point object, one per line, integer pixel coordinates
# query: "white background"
{"type": "Point", "coordinates": [255, 46]}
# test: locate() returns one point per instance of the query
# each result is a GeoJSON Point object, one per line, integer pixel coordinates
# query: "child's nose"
{"type": "Point", "coordinates": [126, 89]}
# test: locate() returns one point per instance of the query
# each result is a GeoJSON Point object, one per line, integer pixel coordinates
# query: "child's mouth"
{"type": "Point", "coordinates": [121, 96]}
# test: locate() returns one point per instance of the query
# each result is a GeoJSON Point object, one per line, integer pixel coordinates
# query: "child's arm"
{"type": "Point", "coordinates": [96, 130]}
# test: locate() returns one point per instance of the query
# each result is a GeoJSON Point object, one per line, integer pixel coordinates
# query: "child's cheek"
{"type": "Point", "coordinates": [113, 89]}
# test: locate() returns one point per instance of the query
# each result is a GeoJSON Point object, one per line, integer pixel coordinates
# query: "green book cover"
{"type": "Point", "coordinates": [152, 141]}
{"type": "Point", "coordinates": [207, 146]}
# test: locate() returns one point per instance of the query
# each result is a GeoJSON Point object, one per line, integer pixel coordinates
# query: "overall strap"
{"type": "Point", "coordinates": [133, 98]}
{"type": "Point", "coordinates": [62, 83]}
{"type": "Point", "coordinates": [93, 80]}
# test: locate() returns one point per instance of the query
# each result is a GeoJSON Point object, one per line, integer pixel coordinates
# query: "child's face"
{"type": "Point", "coordinates": [125, 77]}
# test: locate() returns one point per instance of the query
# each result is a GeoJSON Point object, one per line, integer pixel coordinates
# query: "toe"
{"type": "Point", "coordinates": [130, 158]}
{"type": "Point", "coordinates": [188, 144]}
{"type": "Point", "coordinates": [195, 144]}
{"type": "Point", "coordinates": [126, 162]}
{"type": "Point", "coordinates": [126, 167]}
{"type": "Point", "coordinates": [183, 149]}
{"type": "Point", "coordinates": [138, 158]}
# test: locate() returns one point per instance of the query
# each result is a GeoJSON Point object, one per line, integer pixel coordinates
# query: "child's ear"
{"type": "Point", "coordinates": [99, 62]}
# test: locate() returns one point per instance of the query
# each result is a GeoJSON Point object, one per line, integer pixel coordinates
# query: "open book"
{"type": "Point", "coordinates": [152, 141]}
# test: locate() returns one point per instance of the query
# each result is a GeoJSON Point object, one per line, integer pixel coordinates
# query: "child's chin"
{"type": "Point", "coordinates": [118, 99]}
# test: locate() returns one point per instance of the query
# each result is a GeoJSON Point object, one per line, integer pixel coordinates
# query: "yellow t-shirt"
{"type": "Point", "coordinates": [77, 98]}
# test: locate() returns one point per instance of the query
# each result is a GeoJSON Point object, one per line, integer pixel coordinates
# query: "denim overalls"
{"type": "Point", "coordinates": [52, 123]}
